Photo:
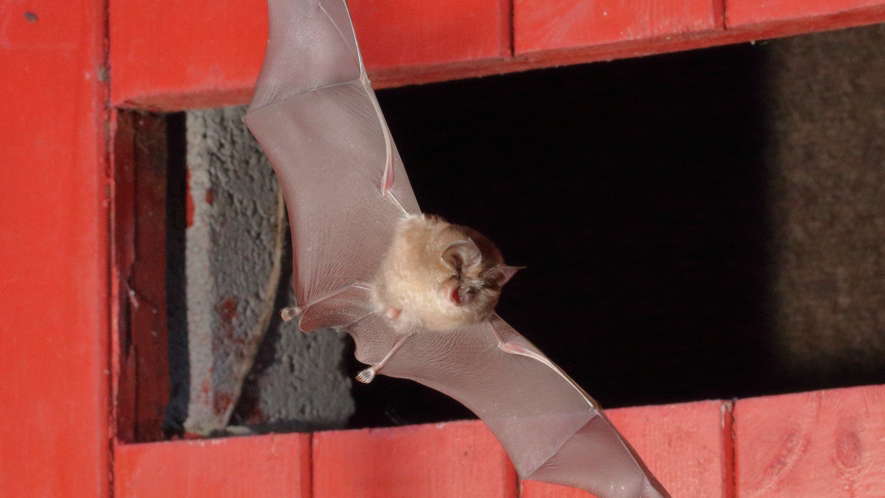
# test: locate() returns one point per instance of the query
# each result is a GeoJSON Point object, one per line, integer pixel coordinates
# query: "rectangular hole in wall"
{"type": "Point", "coordinates": [708, 224]}
{"type": "Point", "coordinates": [204, 265]}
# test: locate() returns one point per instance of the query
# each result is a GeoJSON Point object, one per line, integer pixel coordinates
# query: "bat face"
{"type": "Point", "coordinates": [439, 276]}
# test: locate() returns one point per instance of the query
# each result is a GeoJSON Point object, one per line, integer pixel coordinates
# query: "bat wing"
{"type": "Point", "coordinates": [551, 429]}
{"type": "Point", "coordinates": [316, 117]}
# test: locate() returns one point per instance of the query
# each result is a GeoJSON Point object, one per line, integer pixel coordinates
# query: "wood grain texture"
{"type": "Point", "coordinates": [406, 33]}
{"type": "Point", "coordinates": [439, 460]}
{"type": "Point", "coordinates": [686, 446]}
{"type": "Point", "coordinates": [822, 444]}
{"type": "Point", "coordinates": [541, 25]}
{"type": "Point", "coordinates": [274, 466]}
{"type": "Point", "coordinates": [169, 55]}
{"type": "Point", "coordinates": [750, 12]}
{"type": "Point", "coordinates": [144, 288]}
{"type": "Point", "coordinates": [53, 270]}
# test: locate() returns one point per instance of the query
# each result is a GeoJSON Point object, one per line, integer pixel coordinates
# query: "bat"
{"type": "Point", "coordinates": [438, 277]}
{"type": "Point", "coordinates": [353, 217]}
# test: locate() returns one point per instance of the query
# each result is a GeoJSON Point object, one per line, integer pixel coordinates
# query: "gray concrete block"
{"type": "Point", "coordinates": [231, 249]}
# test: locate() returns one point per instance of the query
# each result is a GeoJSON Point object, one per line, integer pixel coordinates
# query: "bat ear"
{"type": "Point", "coordinates": [462, 255]}
{"type": "Point", "coordinates": [505, 273]}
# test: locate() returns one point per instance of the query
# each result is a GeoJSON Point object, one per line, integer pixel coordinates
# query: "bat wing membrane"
{"type": "Point", "coordinates": [319, 124]}
{"type": "Point", "coordinates": [552, 431]}
{"type": "Point", "coordinates": [316, 117]}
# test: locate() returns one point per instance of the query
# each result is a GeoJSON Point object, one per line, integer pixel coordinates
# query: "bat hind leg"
{"type": "Point", "coordinates": [289, 313]}
{"type": "Point", "coordinates": [367, 375]}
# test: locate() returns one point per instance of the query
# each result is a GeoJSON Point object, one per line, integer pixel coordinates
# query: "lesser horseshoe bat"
{"type": "Point", "coordinates": [347, 193]}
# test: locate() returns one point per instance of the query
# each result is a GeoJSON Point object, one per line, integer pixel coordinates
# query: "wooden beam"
{"type": "Point", "coordinates": [170, 55]}
{"type": "Point", "coordinates": [687, 446]}
{"type": "Point", "coordinates": [822, 444]}
{"type": "Point", "coordinates": [54, 197]}
{"type": "Point", "coordinates": [451, 459]}
{"type": "Point", "coordinates": [275, 466]}
{"type": "Point", "coordinates": [540, 25]}
{"type": "Point", "coordinates": [757, 12]}
{"type": "Point", "coordinates": [167, 54]}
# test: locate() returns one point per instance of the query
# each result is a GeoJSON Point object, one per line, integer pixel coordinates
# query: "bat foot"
{"type": "Point", "coordinates": [366, 375]}
{"type": "Point", "coordinates": [288, 313]}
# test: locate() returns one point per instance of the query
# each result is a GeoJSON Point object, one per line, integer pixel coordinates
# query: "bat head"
{"type": "Point", "coordinates": [478, 273]}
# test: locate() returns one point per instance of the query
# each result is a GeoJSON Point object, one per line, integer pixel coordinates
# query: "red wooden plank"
{"type": "Point", "coordinates": [170, 54]}
{"type": "Point", "coordinates": [140, 157]}
{"type": "Point", "coordinates": [750, 12]}
{"type": "Point", "coordinates": [821, 444]}
{"type": "Point", "coordinates": [452, 459]}
{"type": "Point", "coordinates": [201, 51]}
{"type": "Point", "coordinates": [405, 33]}
{"type": "Point", "coordinates": [53, 251]}
{"type": "Point", "coordinates": [542, 25]}
{"type": "Point", "coordinates": [175, 55]}
{"type": "Point", "coordinates": [686, 446]}
{"type": "Point", "coordinates": [266, 466]}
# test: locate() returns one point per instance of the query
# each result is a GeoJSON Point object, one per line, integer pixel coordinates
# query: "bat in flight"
{"type": "Point", "coordinates": [416, 292]}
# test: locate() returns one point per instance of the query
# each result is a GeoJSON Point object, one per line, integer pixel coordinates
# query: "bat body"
{"type": "Point", "coordinates": [438, 276]}
{"type": "Point", "coordinates": [355, 224]}
{"type": "Point", "coordinates": [435, 277]}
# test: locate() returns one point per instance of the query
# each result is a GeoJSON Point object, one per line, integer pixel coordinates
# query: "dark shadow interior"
{"type": "Point", "coordinates": [634, 194]}
{"type": "Point", "coordinates": [645, 202]}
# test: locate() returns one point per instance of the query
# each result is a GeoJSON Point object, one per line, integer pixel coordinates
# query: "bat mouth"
{"type": "Point", "coordinates": [455, 295]}
{"type": "Point", "coordinates": [462, 294]}
{"type": "Point", "coordinates": [459, 294]}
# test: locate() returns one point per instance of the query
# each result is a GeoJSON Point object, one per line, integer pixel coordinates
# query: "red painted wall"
{"type": "Point", "coordinates": [218, 45]}
{"type": "Point", "coordinates": [57, 186]}
{"type": "Point", "coordinates": [53, 250]}
{"type": "Point", "coordinates": [822, 444]}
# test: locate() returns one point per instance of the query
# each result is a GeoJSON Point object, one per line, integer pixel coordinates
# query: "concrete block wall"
{"type": "Point", "coordinates": [238, 275]}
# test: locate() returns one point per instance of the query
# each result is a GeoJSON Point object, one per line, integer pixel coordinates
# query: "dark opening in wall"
{"type": "Point", "coordinates": [708, 224]}
{"type": "Point", "coordinates": [633, 192]}
{"type": "Point", "coordinates": [655, 203]}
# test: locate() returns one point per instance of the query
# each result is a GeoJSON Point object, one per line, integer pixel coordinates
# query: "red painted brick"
{"type": "Point", "coordinates": [821, 444]}
{"type": "Point", "coordinates": [542, 25]}
{"type": "Point", "coordinates": [686, 446]}
{"type": "Point", "coordinates": [266, 466]}
{"type": "Point", "coordinates": [441, 460]}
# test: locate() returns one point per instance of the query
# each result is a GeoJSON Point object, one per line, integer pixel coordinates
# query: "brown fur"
{"type": "Point", "coordinates": [439, 276]}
